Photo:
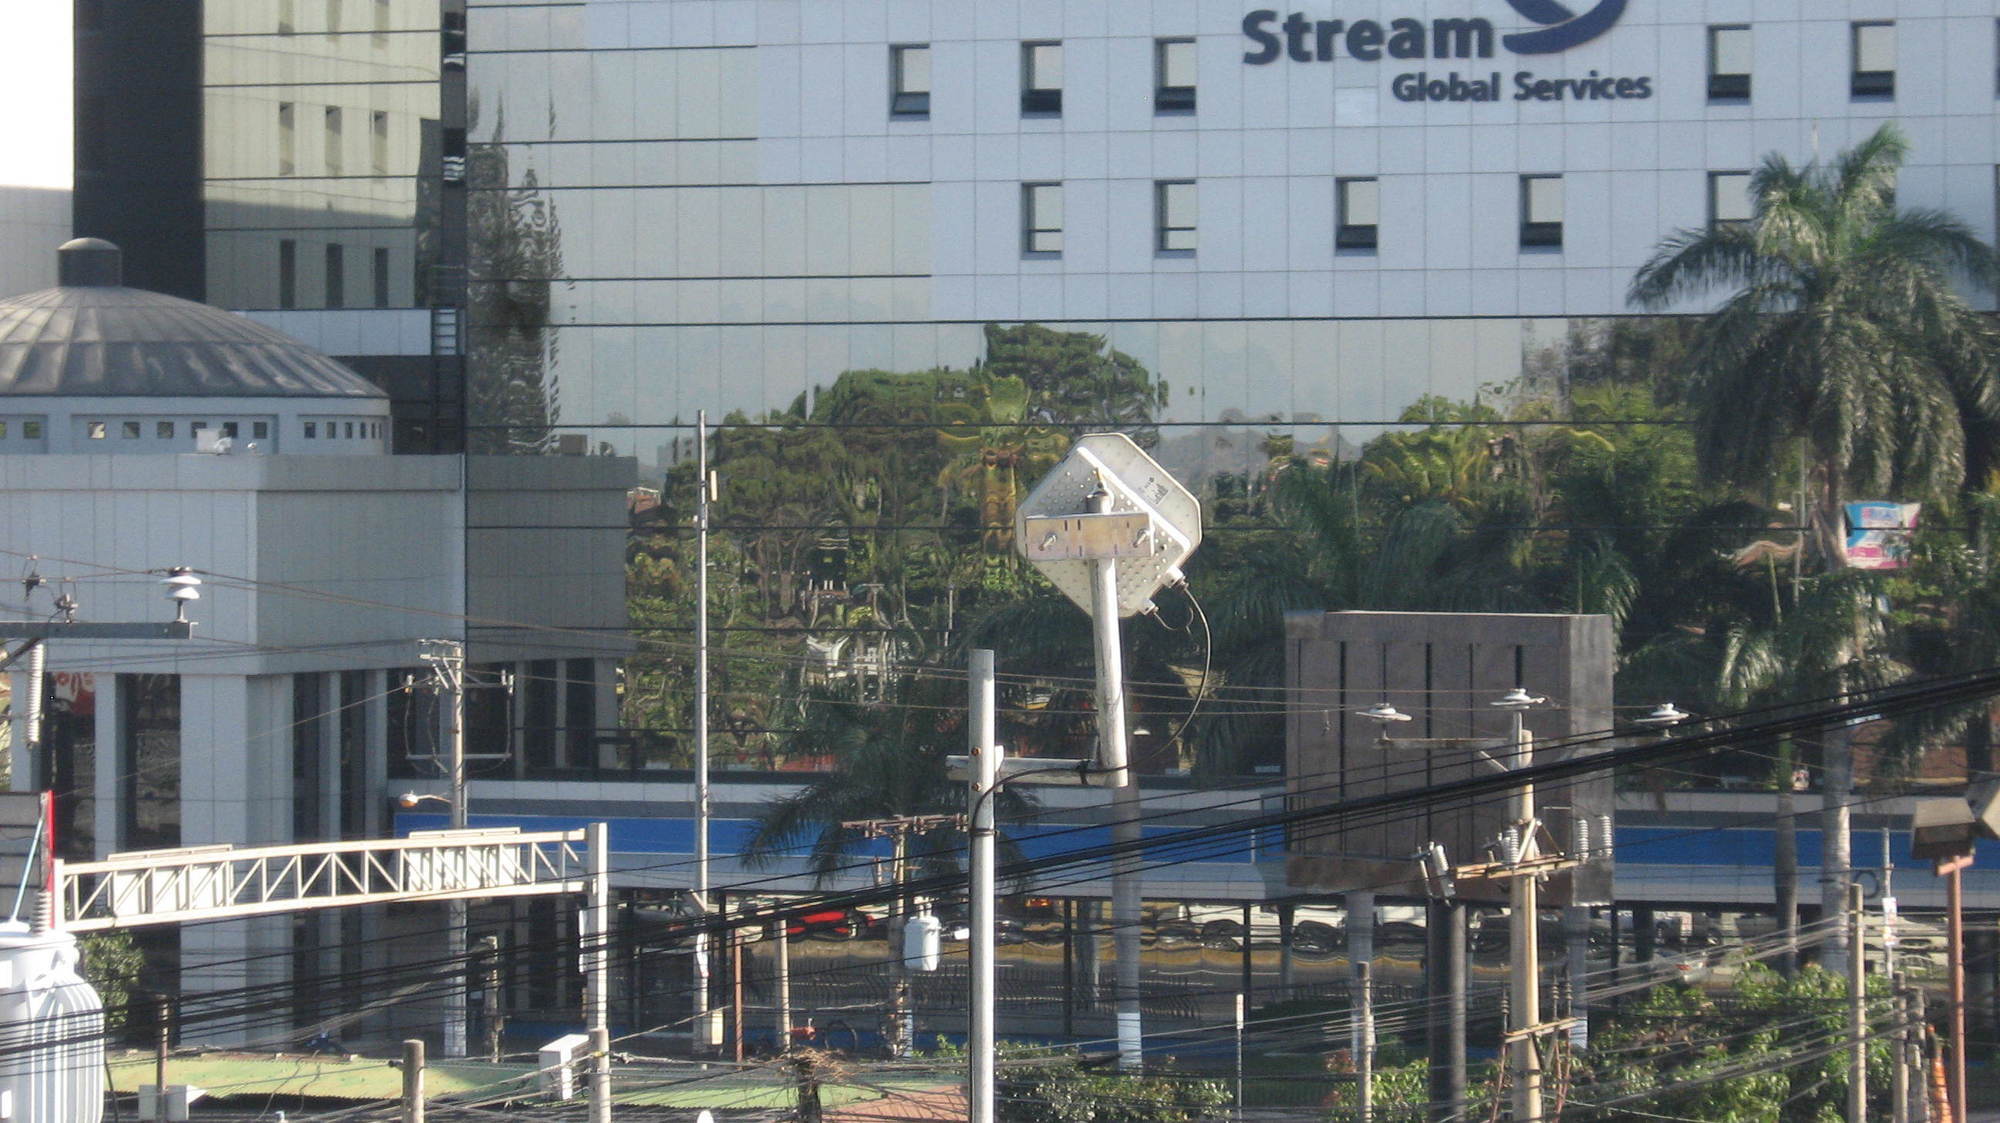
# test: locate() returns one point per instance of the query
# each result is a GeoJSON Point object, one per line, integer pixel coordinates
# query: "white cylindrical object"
{"type": "Point", "coordinates": [56, 1069]}
{"type": "Point", "coordinates": [923, 940]}
{"type": "Point", "coordinates": [985, 774]}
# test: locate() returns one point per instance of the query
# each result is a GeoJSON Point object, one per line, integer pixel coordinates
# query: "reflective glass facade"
{"type": "Point", "coordinates": [318, 120]}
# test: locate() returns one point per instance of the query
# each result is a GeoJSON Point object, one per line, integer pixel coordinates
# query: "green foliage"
{"type": "Point", "coordinates": [111, 963]}
{"type": "Point", "coordinates": [1060, 1088]}
{"type": "Point", "coordinates": [1842, 330]}
{"type": "Point", "coordinates": [1766, 1052]}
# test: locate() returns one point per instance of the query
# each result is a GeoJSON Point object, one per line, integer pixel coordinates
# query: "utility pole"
{"type": "Point", "coordinates": [985, 773]}
{"type": "Point", "coordinates": [495, 1021]}
{"type": "Point", "coordinates": [702, 1030]}
{"type": "Point", "coordinates": [447, 661]}
{"type": "Point", "coordinates": [898, 829]}
{"type": "Point", "coordinates": [1899, 1072]}
{"type": "Point", "coordinates": [596, 932]}
{"type": "Point", "coordinates": [1857, 1010]}
{"type": "Point", "coordinates": [781, 932]}
{"type": "Point", "coordinates": [1364, 1040]}
{"type": "Point", "coordinates": [413, 1081]}
{"type": "Point", "coordinates": [1524, 935]}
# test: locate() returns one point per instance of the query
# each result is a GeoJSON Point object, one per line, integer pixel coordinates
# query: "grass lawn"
{"type": "Point", "coordinates": [247, 1076]}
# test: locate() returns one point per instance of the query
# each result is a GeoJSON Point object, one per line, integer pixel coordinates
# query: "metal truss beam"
{"type": "Point", "coordinates": [224, 882]}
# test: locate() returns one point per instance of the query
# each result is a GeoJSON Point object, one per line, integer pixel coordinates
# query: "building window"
{"type": "Point", "coordinates": [381, 277]}
{"type": "Point", "coordinates": [94, 430]}
{"type": "Point", "coordinates": [1360, 203]}
{"type": "Point", "coordinates": [164, 430]}
{"type": "Point", "coordinates": [910, 80]}
{"type": "Point", "coordinates": [260, 430]}
{"type": "Point", "coordinates": [229, 429]}
{"type": "Point", "coordinates": [1728, 199]}
{"type": "Point", "coordinates": [336, 276]}
{"type": "Point", "coordinates": [288, 17]}
{"type": "Point", "coordinates": [128, 430]}
{"type": "Point", "coordinates": [539, 731]}
{"type": "Point", "coordinates": [333, 141]}
{"type": "Point", "coordinates": [381, 22]}
{"type": "Point", "coordinates": [1874, 59]}
{"type": "Point", "coordinates": [378, 142]}
{"type": "Point", "coordinates": [580, 712]}
{"type": "Point", "coordinates": [1041, 218]}
{"type": "Point", "coordinates": [1041, 78]}
{"type": "Point", "coordinates": [1729, 63]}
{"type": "Point", "coordinates": [31, 430]}
{"type": "Point", "coordinates": [288, 138]}
{"type": "Point", "coordinates": [149, 761]}
{"type": "Point", "coordinates": [1541, 212]}
{"type": "Point", "coordinates": [350, 430]}
{"type": "Point", "coordinates": [288, 273]}
{"type": "Point", "coordinates": [308, 757]}
{"type": "Point", "coordinates": [312, 429]}
{"type": "Point", "coordinates": [1174, 215]}
{"type": "Point", "coordinates": [1173, 76]}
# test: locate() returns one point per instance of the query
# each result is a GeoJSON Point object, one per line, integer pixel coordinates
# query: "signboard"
{"type": "Point", "coordinates": [1878, 534]}
{"type": "Point", "coordinates": [1552, 28]}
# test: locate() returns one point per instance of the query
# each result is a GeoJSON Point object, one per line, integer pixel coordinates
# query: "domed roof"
{"type": "Point", "coordinates": [90, 336]}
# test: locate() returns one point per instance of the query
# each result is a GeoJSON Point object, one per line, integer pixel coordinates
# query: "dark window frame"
{"type": "Point", "coordinates": [905, 102]}
{"type": "Point", "coordinates": [1355, 235]}
{"type": "Point", "coordinates": [1038, 100]}
{"type": "Point", "coordinates": [1874, 84]}
{"type": "Point", "coordinates": [1539, 235]}
{"type": "Point", "coordinates": [1715, 221]}
{"type": "Point", "coordinates": [1163, 231]}
{"type": "Point", "coordinates": [1726, 85]}
{"type": "Point", "coordinates": [1032, 230]}
{"type": "Point", "coordinates": [1171, 100]}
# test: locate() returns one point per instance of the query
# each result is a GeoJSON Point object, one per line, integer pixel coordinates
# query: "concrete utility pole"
{"type": "Point", "coordinates": [1523, 930]}
{"type": "Point", "coordinates": [1857, 1011]}
{"type": "Point", "coordinates": [702, 1030]}
{"type": "Point", "coordinates": [596, 931]}
{"type": "Point", "coordinates": [413, 1081]}
{"type": "Point", "coordinates": [447, 661]}
{"type": "Point", "coordinates": [985, 773]}
{"type": "Point", "coordinates": [898, 829]}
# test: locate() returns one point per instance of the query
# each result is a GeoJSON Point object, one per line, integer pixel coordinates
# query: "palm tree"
{"type": "Point", "coordinates": [1842, 331]}
{"type": "Point", "coordinates": [1842, 335]}
{"type": "Point", "coordinates": [888, 761]}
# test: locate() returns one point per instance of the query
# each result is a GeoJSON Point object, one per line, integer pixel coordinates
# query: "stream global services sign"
{"type": "Point", "coordinates": [1555, 28]}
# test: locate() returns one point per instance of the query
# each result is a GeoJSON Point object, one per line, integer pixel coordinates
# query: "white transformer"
{"type": "Point", "coordinates": [55, 1071]}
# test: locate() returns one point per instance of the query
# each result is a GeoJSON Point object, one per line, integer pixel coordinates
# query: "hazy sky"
{"type": "Point", "coordinates": [35, 79]}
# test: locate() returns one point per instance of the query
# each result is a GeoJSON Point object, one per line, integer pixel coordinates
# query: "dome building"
{"type": "Point", "coordinates": [91, 366]}
{"type": "Point", "coordinates": [140, 431]}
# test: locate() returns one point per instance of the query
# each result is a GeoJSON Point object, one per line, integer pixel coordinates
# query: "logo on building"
{"type": "Point", "coordinates": [1557, 29]}
{"type": "Point", "coordinates": [1561, 28]}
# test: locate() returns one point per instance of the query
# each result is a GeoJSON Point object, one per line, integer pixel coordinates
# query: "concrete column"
{"type": "Point", "coordinates": [1360, 927]}
{"type": "Point", "coordinates": [111, 764]}
{"type": "Point", "coordinates": [1576, 934]}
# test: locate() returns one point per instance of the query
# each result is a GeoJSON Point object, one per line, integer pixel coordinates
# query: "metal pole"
{"type": "Point", "coordinates": [451, 665]}
{"type": "Point", "coordinates": [162, 1043]}
{"type": "Point", "coordinates": [1364, 1029]}
{"type": "Point", "coordinates": [985, 773]}
{"type": "Point", "coordinates": [1920, 1107]}
{"type": "Point", "coordinates": [1955, 907]}
{"type": "Point", "coordinates": [701, 1032]}
{"type": "Point", "coordinates": [413, 1081]}
{"type": "Point", "coordinates": [736, 993]}
{"type": "Point", "coordinates": [494, 1022]}
{"type": "Point", "coordinates": [1241, 1013]}
{"type": "Point", "coordinates": [1125, 809]}
{"type": "Point", "coordinates": [597, 968]}
{"type": "Point", "coordinates": [1857, 1011]}
{"type": "Point", "coordinates": [781, 932]}
{"type": "Point", "coordinates": [1899, 1072]}
{"type": "Point", "coordinates": [903, 1031]}
{"type": "Point", "coordinates": [1523, 934]}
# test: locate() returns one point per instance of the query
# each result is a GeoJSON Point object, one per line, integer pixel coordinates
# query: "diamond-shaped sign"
{"type": "Point", "coordinates": [1057, 531]}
